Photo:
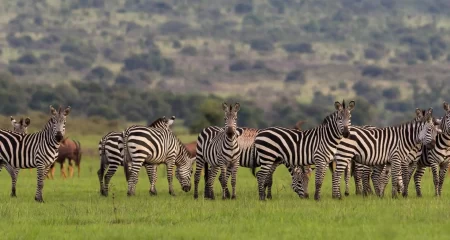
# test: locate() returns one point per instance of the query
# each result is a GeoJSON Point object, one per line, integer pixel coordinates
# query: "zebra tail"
{"type": "Point", "coordinates": [330, 166]}
{"type": "Point", "coordinates": [77, 162]}
{"type": "Point", "coordinates": [126, 156]}
{"type": "Point", "coordinates": [254, 161]}
{"type": "Point", "coordinates": [352, 169]}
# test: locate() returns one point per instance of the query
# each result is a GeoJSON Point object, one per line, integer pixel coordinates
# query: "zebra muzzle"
{"type": "Point", "coordinates": [59, 136]}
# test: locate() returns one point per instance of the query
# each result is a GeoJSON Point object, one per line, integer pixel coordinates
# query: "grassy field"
{"type": "Point", "coordinates": [75, 210]}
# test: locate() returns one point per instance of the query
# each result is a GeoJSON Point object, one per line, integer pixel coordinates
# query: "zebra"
{"type": "Point", "coordinates": [437, 157]}
{"type": "Point", "coordinates": [37, 150]}
{"type": "Point", "coordinates": [220, 149]}
{"type": "Point", "coordinates": [383, 145]}
{"type": "Point", "coordinates": [379, 173]}
{"type": "Point", "coordinates": [300, 148]}
{"type": "Point", "coordinates": [155, 146]}
{"type": "Point", "coordinates": [111, 156]}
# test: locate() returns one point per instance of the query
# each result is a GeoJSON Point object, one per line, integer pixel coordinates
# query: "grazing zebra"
{"type": "Point", "coordinates": [300, 180]}
{"type": "Point", "coordinates": [220, 149]}
{"type": "Point", "coordinates": [437, 158]}
{"type": "Point", "coordinates": [111, 156]}
{"type": "Point", "coordinates": [383, 145]}
{"type": "Point", "coordinates": [37, 150]}
{"type": "Point", "coordinates": [155, 146]}
{"type": "Point", "coordinates": [301, 148]}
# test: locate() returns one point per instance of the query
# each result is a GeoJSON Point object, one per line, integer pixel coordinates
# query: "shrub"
{"type": "Point", "coordinates": [77, 63]}
{"type": "Point", "coordinates": [295, 76]}
{"type": "Point", "coordinates": [243, 8]}
{"type": "Point", "coordinates": [261, 45]}
{"type": "Point", "coordinates": [298, 48]}
{"type": "Point", "coordinates": [370, 53]}
{"type": "Point", "coordinates": [100, 73]}
{"type": "Point", "coordinates": [16, 42]}
{"type": "Point", "coordinates": [362, 88]}
{"type": "Point", "coordinates": [176, 44]}
{"type": "Point", "coordinates": [391, 93]}
{"type": "Point", "coordinates": [171, 27]}
{"type": "Point", "coordinates": [239, 66]}
{"type": "Point", "coordinates": [372, 71]}
{"type": "Point", "coordinates": [28, 58]}
{"type": "Point", "coordinates": [189, 51]}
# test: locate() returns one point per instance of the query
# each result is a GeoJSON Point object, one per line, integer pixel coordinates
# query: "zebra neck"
{"type": "Point", "coordinates": [443, 140]}
{"type": "Point", "coordinates": [48, 137]}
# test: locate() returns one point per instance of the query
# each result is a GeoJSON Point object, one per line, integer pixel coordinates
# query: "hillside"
{"type": "Point", "coordinates": [386, 52]}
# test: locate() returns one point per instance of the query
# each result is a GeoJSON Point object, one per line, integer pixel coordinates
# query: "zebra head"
{"type": "Point", "coordinates": [58, 122]}
{"type": "Point", "coordinates": [21, 126]}
{"type": "Point", "coordinates": [427, 135]}
{"type": "Point", "coordinates": [344, 116]}
{"type": "Point", "coordinates": [163, 122]}
{"type": "Point", "coordinates": [183, 174]}
{"type": "Point", "coordinates": [300, 180]}
{"type": "Point", "coordinates": [231, 118]}
{"type": "Point", "coordinates": [445, 121]}
{"type": "Point", "coordinates": [419, 115]}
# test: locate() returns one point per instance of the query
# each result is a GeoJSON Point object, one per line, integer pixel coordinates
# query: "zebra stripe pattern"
{"type": "Point", "coordinates": [37, 150]}
{"type": "Point", "coordinates": [437, 158]}
{"type": "Point", "coordinates": [220, 150]}
{"type": "Point", "coordinates": [111, 157]}
{"type": "Point", "coordinates": [302, 148]}
{"type": "Point", "coordinates": [383, 145]}
{"type": "Point", "coordinates": [155, 146]}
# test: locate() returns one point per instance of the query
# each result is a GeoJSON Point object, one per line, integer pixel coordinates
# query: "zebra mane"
{"type": "Point", "coordinates": [158, 121]}
{"type": "Point", "coordinates": [328, 118]}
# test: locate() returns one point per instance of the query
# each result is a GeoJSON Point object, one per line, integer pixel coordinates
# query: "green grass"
{"type": "Point", "coordinates": [75, 210]}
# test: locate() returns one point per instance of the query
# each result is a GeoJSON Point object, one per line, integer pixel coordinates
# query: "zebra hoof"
{"type": "Point", "coordinates": [233, 197]}
{"type": "Point", "coordinates": [269, 196]}
{"type": "Point", "coordinates": [317, 197]}
{"type": "Point", "coordinates": [347, 194]}
{"type": "Point", "coordinates": [153, 193]}
{"type": "Point", "coordinates": [13, 195]}
{"type": "Point", "coordinates": [195, 196]}
{"type": "Point", "coordinates": [39, 199]}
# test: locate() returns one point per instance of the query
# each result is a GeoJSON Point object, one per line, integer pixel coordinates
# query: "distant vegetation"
{"type": "Point", "coordinates": [283, 60]}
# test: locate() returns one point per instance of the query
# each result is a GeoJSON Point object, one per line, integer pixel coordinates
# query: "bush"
{"type": "Point", "coordinates": [16, 70]}
{"type": "Point", "coordinates": [189, 51]}
{"type": "Point", "coordinates": [239, 66]}
{"type": "Point", "coordinates": [252, 20]}
{"type": "Point", "coordinates": [372, 71]}
{"type": "Point", "coordinates": [391, 93]}
{"type": "Point", "coordinates": [261, 45]}
{"type": "Point", "coordinates": [28, 58]}
{"type": "Point", "coordinates": [172, 27]}
{"type": "Point", "coordinates": [370, 53]}
{"type": "Point", "coordinates": [243, 8]}
{"type": "Point", "coordinates": [362, 88]}
{"type": "Point", "coordinates": [79, 49]}
{"type": "Point", "coordinates": [295, 76]}
{"type": "Point", "coordinates": [176, 44]}
{"type": "Point", "coordinates": [100, 73]}
{"type": "Point", "coordinates": [298, 48]}
{"type": "Point", "coordinates": [77, 63]}
{"type": "Point", "coordinates": [421, 54]}
{"type": "Point", "coordinates": [16, 42]}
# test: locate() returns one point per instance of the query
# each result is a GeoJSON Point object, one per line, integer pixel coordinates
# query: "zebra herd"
{"type": "Point", "coordinates": [366, 152]}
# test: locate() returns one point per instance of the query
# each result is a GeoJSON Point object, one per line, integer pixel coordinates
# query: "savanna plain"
{"type": "Point", "coordinates": [74, 209]}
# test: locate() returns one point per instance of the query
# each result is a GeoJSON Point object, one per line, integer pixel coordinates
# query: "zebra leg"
{"type": "Point", "coordinates": [233, 179]}
{"type": "Point", "coordinates": [321, 168]}
{"type": "Point", "coordinates": [41, 173]}
{"type": "Point", "coordinates": [112, 168]}
{"type": "Point", "coordinates": [152, 177]}
{"type": "Point", "coordinates": [210, 182]}
{"type": "Point", "coordinates": [336, 179]}
{"type": "Point", "coordinates": [442, 173]}
{"type": "Point", "coordinates": [397, 181]}
{"type": "Point", "coordinates": [224, 181]}
{"type": "Point", "coordinates": [169, 170]}
{"type": "Point", "coordinates": [357, 175]}
{"type": "Point", "coordinates": [383, 179]}
{"type": "Point", "coordinates": [229, 170]}
{"type": "Point", "coordinates": [269, 180]}
{"type": "Point", "coordinates": [261, 177]}
{"type": "Point", "coordinates": [418, 178]}
{"type": "Point", "coordinates": [13, 173]}
{"type": "Point", "coordinates": [133, 180]}
{"type": "Point", "coordinates": [199, 165]}
{"type": "Point", "coordinates": [366, 176]}
{"type": "Point", "coordinates": [407, 171]}
{"type": "Point", "coordinates": [347, 174]}
{"type": "Point", "coordinates": [434, 170]}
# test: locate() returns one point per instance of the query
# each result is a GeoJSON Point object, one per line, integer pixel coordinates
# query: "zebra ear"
{"type": "Point", "coordinates": [27, 121]}
{"type": "Point", "coordinates": [225, 107]}
{"type": "Point", "coordinates": [66, 111]}
{"type": "Point", "coordinates": [237, 106]}
{"type": "Point", "coordinates": [337, 106]}
{"type": "Point", "coordinates": [446, 106]}
{"type": "Point", "coordinates": [419, 112]}
{"type": "Point", "coordinates": [13, 121]}
{"type": "Point", "coordinates": [52, 110]}
{"type": "Point", "coordinates": [351, 105]}
{"type": "Point", "coordinates": [170, 121]}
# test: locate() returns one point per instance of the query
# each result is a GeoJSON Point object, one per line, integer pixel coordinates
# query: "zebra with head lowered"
{"type": "Point", "coordinates": [155, 146]}
{"type": "Point", "coordinates": [220, 150]}
{"type": "Point", "coordinates": [110, 150]}
{"type": "Point", "coordinates": [315, 146]}
{"type": "Point", "coordinates": [380, 146]}
{"type": "Point", "coordinates": [437, 158]}
{"type": "Point", "coordinates": [37, 150]}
